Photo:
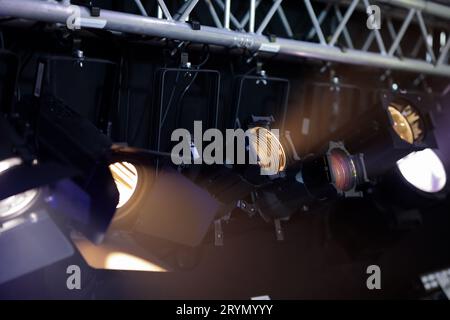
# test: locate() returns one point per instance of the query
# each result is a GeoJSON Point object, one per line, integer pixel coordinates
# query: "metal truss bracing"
{"type": "Point", "coordinates": [342, 31]}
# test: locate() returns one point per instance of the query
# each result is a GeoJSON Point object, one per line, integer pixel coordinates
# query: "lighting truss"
{"type": "Point", "coordinates": [227, 30]}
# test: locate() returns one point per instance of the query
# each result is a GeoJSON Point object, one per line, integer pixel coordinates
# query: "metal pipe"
{"type": "Point", "coordinates": [320, 19]}
{"type": "Point", "coordinates": [269, 16]}
{"type": "Point", "coordinates": [227, 11]}
{"type": "Point", "coordinates": [425, 6]}
{"type": "Point", "coordinates": [163, 7]}
{"type": "Point", "coordinates": [285, 22]}
{"type": "Point", "coordinates": [393, 33]}
{"type": "Point", "coordinates": [368, 41]}
{"type": "Point", "coordinates": [347, 37]}
{"type": "Point", "coordinates": [444, 55]}
{"type": "Point", "coordinates": [424, 30]}
{"type": "Point", "coordinates": [233, 20]}
{"type": "Point", "coordinates": [377, 34]}
{"type": "Point", "coordinates": [315, 22]}
{"type": "Point", "coordinates": [136, 24]}
{"type": "Point", "coordinates": [213, 13]}
{"type": "Point", "coordinates": [344, 21]}
{"type": "Point", "coordinates": [141, 7]}
{"type": "Point", "coordinates": [402, 31]}
{"type": "Point", "coordinates": [185, 10]}
{"type": "Point", "coordinates": [246, 17]}
{"type": "Point", "coordinates": [251, 27]}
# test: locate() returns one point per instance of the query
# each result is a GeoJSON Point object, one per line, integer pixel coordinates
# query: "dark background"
{"type": "Point", "coordinates": [326, 252]}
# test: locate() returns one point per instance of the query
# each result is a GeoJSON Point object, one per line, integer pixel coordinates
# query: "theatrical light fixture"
{"type": "Point", "coordinates": [133, 171]}
{"type": "Point", "coordinates": [269, 152]}
{"type": "Point", "coordinates": [401, 125]}
{"type": "Point", "coordinates": [162, 203]}
{"type": "Point", "coordinates": [29, 239]}
{"type": "Point", "coordinates": [406, 122]}
{"type": "Point", "coordinates": [334, 172]}
{"type": "Point", "coordinates": [268, 149]}
{"type": "Point", "coordinates": [343, 169]}
{"type": "Point", "coordinates": [414, 183]}
{"type": "Point", "coordinates": [17, 204]}
{"type": "Point", "coordinates": [66, 137]}
{"type": "Point", "coordinates": [396, 126]}
{"type": "Point", "coordinates": [423, 170]}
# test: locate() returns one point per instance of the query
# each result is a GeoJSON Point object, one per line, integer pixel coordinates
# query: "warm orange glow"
{"type": "Point", "coordinates": [118, 251]}
{"type": "Point", "coordinates": [401, 125]}
{"type": "Point", "coordinates": [268, 148]}
{"type": "Point", "coordinates": [124, 261]}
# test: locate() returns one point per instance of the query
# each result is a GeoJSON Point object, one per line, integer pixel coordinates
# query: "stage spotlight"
{"type": "Point", "coordinates": [29, 239]}
{"type": "Point", "coordinates": [398, 125]}
{"type": "Point", "coordinates": [334, 172]}
{"type": "Point", "coordinates": [401, 125]}
{"type": "Point", "coordinates": [17, 204]}
{"type": "Point", "coordinates": [268, 149]}
{"type": "Point", "coordinates": [269, 153]}
{"type": "Point", "coordinates": [67, 138]}
{"type": "Point", "coordinates": [406, 121]}
{"type": "Point", "coordinates": [161, 203]}
{"type": "Point", "coordinates": [134, 178]}
{"type": "Point", "coordinates": [423, 170]}
{"type": "Point", "coordinates": [33, 195]}
{"type": "Point", "coordinates": [417, 181]}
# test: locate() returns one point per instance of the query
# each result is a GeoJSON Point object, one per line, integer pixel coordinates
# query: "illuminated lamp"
{"type": "Point", "coordinates": [69, 139]}
{"type": "Point", "coordinates": [334, 173]}
{"type": "Point", "coordinates": [398, 125]}
{"type": "Point", "coordinates": [424, 171]}
{"type": "Point", "coordinates": [133, 171]}
{"type": "Point", "coordinates": [269, 151]}
{"type": "Point", "coordinates": [160, 203]}
{"type": "Point", "coordinates": [29, 238]}
{"type": "Point", "coordinates": [417, 180]}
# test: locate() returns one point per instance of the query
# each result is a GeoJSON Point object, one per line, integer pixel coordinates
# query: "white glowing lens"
{"type": "Point", "coordinates": [424, 170]}
{"type": "Point", "coordinates": [9, 163]}
{"type": "Point", "coordinates": [126, 178]}
{"type": "Point", "coordinates": [17, 204]}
